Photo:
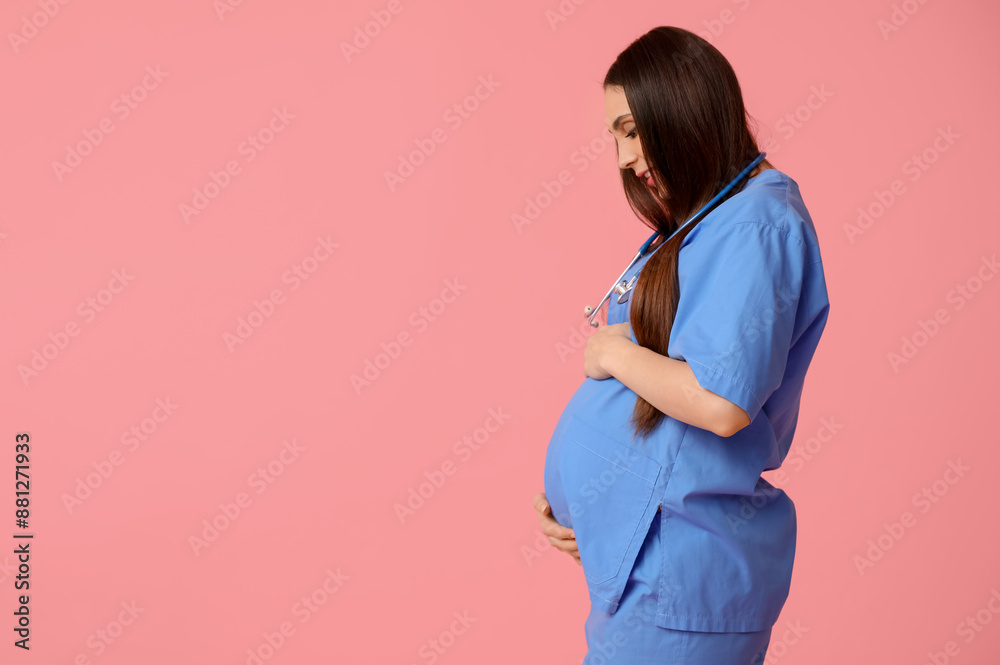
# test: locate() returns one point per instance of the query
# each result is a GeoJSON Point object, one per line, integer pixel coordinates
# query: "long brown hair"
{"type": "Point", "coordinates": [694, 131]}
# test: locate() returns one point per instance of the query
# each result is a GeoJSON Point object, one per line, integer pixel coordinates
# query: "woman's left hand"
{"type": "Point", "coordinates": [600, 345]}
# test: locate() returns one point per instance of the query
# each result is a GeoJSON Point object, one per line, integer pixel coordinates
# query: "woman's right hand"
{"type": "Point", "coordinates": [562, 538]}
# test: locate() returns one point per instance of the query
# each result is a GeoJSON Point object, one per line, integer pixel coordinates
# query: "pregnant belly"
{"type": "Point", "coordinates": [605, 403]}
{"type": "Point", "coordinates": [597, 484]}
{"type": "Point", "coordinates": [607, 487]}
{"type": "Point", "coordinates": [554, 457]}
{"type": "Point", "coordinates": [554, 491]}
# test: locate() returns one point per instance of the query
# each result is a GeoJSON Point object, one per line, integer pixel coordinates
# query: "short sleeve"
{"type": "Point", "coordinates": [739, 292]}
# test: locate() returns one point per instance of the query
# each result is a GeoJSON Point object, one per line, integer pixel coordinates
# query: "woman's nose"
{"type": "Point", "coordinates": [625, 158]}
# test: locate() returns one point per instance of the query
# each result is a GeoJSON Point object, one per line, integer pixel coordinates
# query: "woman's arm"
{"type": "Point", "coordinates": [667, 384]}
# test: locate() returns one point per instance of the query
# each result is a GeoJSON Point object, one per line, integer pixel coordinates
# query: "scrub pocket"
{"type": "Point", "coordinates": [609, 488]}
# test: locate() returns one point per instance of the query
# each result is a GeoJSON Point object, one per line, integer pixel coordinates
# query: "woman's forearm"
{"type": "Point", "coordinates": [672, 387]}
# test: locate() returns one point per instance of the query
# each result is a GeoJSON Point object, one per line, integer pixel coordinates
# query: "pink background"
{"type": "Point", "coordinates": [472, 549]}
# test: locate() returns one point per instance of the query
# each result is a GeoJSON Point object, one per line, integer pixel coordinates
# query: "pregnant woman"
{"type": "Point", "coordinates": [692, 390]}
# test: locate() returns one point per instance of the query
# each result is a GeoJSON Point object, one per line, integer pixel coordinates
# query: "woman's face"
{"type": "Point", "coordinates": [622, 127]}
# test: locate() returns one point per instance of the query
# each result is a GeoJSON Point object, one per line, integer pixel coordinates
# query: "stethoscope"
{"type": "Point", "coordinates": [621, 287]}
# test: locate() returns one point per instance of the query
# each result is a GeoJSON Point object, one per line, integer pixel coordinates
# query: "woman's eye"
{"type": "Point", "coordinates": [631, 135]}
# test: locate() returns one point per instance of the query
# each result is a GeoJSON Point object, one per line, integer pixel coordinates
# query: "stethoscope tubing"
{"type": "Point", "coordinates": [645, 246]}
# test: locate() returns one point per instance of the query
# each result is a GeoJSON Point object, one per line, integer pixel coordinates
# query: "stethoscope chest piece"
{"type": "Point", "coordinates": [623, 289]}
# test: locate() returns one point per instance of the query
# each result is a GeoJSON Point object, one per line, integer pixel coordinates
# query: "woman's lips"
{"type": "Point", "coordinates": [649, 181]}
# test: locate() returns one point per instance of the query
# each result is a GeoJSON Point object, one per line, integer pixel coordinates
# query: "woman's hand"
{"type": "Point", "coordinates": [600, 345]}
{"type": "Point", "coordinates": [562, 538]}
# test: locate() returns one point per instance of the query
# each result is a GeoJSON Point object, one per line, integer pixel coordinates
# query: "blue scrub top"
{"type": "Point", "coordinates": [753, 304]}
